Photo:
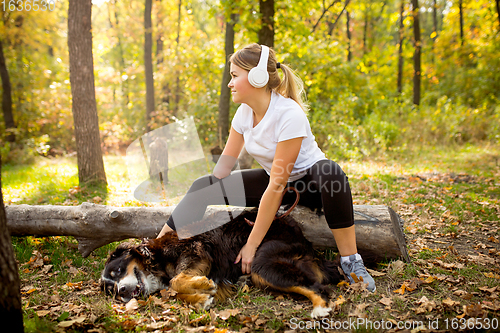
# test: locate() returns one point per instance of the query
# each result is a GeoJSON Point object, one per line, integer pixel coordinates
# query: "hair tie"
{"type": "Point", "coordinates": [278, 65]}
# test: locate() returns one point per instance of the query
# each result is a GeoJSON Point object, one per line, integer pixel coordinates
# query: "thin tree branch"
{"type": "Point", "coordinates": [338, 16]}
{"type": "Point", "coordinates": [323, 14]}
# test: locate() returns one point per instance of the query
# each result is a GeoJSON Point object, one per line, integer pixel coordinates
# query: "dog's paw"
{"type": "Point", "coordinates": [320, 311]}
{"type": "Point", "coordinates": [212, 287]}
{"type": "Point", "coordinates": [208, 303]}
{"type": "Point", "coordinates": [203, 284]}
{"type": "Point", "coordinates": [203, 301]}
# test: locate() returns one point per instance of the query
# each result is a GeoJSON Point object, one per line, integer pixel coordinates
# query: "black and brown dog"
{"type": "Point", "coordinates": [202, 267]}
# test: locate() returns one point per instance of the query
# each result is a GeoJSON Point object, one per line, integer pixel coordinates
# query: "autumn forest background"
{"type": "Point", "coordinates": [356, 59]}
{"type": "Point", "coordinates": [404, 94]}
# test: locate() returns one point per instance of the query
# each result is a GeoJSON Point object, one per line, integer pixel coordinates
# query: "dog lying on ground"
{"type": "Point", "coordinates": [202, 267]}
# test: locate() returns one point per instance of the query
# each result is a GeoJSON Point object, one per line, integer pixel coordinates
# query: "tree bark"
{"type": "Point", "coordinates": [434, 29]}
{"type": "Point", "coordinates": [245, 160]}
{"type": "Point", "coordinates": [81, 66]}
{"type": "Point", "coordinates": [177, 94]}
{"type": "Point", "coordinates": [498, 13]}
{"type": "Point", "coordinates": [400, 50]}
{"type": "Point", "coordinates": [266, 31]}
{"type": "Point", "coordinates": [11, 315]}
{"type": "Point", "coordinates": [348, 31]}
{"type": "Point", "coordinates": [159, 37]}
{"type": "Point", "coordinates": [266, 37]}
{"type": "Point", "coordinates": [148, 63]}
{"type": "Point", "coordinates": [121, 60]}
{"type": "Point", "coordinates": [365, 29]}
{"type": "Point", "coordinates": [417, 69]}
{"type": "Point", "coordinates": [8, 116]}
{"type": "Point", "coordinates": [378, 228]}
{"type": "Point", "coordinates": [461, 16]}
{"type": "Point", "coordinates": [160, 58]}
{"type": "Point", "coordinates": [225, 92]}
{"type": "Point", "coordinates": [435, 19]}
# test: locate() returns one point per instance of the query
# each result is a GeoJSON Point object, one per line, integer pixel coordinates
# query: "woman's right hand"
{"type": "Point", "coordinates": [246, 255]}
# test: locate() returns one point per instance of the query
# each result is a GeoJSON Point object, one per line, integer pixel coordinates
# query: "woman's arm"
{"type": "Point", "coordinates": [284, 160]}
{"type": "Point", "coordinates": [229, 155]}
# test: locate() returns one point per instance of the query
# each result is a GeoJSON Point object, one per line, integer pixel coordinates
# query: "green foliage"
{"type": "Point", "coordinates": [355, 109]}
{"type": "Point", "coordinates": [35, 324]}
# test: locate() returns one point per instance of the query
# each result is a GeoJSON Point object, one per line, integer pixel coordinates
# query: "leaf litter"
{"type": "Point", "coordinates": [454, 274]}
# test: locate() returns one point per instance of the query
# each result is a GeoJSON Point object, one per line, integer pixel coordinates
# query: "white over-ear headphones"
{"type": "Point", "coordinates": [258, 76]}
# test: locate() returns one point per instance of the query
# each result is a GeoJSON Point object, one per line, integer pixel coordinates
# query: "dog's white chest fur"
{"type": "Point", "coordinates": [153, 284]}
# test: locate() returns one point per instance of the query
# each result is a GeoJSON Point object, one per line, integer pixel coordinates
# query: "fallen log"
{"type": "Point", "coordinates": [379, 230]}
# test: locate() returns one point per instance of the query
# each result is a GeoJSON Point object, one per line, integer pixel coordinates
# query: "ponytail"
{"type": "Point", "coordinates": [291, 86]}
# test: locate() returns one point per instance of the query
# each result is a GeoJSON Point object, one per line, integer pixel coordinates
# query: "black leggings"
{"type": "Point", "coordinates": [324, 185]}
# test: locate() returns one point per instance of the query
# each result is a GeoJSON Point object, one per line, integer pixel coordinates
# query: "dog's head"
{"type": "Point", "coordinates": [125, 274]}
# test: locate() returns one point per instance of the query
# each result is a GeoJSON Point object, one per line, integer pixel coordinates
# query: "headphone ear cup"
{"type": "Point", "coordinates": [258, 77]}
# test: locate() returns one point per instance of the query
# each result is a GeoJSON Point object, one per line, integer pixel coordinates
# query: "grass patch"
{"type": "Point", "coordinates": [451, 222]}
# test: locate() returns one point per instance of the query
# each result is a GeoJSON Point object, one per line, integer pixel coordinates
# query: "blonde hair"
{"type": "Point", "coordinates": [291, 86]}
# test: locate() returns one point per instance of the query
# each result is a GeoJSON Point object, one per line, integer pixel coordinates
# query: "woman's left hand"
{"type": "Point", "coordinates": [246, 255]}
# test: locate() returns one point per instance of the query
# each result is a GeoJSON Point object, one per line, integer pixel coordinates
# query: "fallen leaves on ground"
{"type": "Point", "coordinates": [454, 273]}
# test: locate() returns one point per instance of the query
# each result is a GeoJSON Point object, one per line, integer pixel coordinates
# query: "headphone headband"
{"type": "Point", "coordinates": [264, 57]}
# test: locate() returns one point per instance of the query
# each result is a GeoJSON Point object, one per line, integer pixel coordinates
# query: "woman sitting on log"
{"type": "Point", "coordinates": [272, 125]}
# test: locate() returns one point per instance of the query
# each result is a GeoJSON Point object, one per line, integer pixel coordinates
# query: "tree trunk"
{"type": "Point", "coordinates": [159, 37]}
{"type": "Point", "coordinates": [245, 160]}
{"type": "Point", "coordinates": [434, 28]}
{"type": "Point", "coordinates": [378, 228]}
{"type": "Point", "coordinates": [6, 97]}
{"type": "Point", "coordinates": [122, 66]}
{"type": "Point", "coordinates": [266, 31]}
{"type": "Point", "coordinates": [417, 54]}
{"type": "Point", "coordinates": [11, 315]}
{"type": "Point", "coordinates": [435, 19]}
{"type": "Point", "coordinates": [165, 90]}
{"type": "Point", "coordinates": [266, 37]}
{"type": "Point", "coordinates": [365, 31]}
{"type": "Point", "coordinates": [148, 63]}
{"type": "Point", "coordinates": [498, 13]}
{"type": "Point", "coordinates": [88, 143]}
{"type": "Point", "coordinates": [400, 50]}
{"type": "Point", "coordinates": [461, 15]}
{"type": "Point", "coordinates": [177, 94]}
{"type": "Point", "coordinates": [225, 92]}
{"type": "Point", "coordinates": [348, 31]}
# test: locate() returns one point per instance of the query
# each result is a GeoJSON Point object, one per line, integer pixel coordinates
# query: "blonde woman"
{"type": "Point", "coordinates": [272, 125]}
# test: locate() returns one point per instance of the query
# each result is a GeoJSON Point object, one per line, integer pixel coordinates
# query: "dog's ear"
{"type": "Point", "coordinates": [120, 250]}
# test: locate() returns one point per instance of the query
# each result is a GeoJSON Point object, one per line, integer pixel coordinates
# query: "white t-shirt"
{"type": "Point", "coordinates": [284, 120]}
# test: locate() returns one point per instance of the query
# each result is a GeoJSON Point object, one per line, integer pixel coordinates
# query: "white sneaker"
{"type": "Point", "coordinates": [356, 266]}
